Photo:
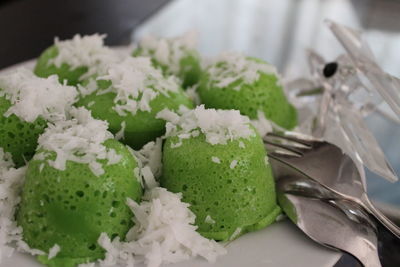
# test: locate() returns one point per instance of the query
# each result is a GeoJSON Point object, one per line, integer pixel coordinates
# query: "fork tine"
{"type": "Point", "coordinates": [295, 138]}
{"type": "Point", "coordinates": [277, 153]}
{"type": "Point", "coordinates": [284, 140]}
{"type": "Point", "coordinates": [282, 149]}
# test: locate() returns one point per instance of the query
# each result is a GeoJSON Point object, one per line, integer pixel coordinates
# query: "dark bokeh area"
{"type": "Point", "coordinates": [27, 27]}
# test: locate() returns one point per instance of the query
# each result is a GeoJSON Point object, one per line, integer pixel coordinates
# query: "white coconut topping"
{"type": "Point", "coordinates": [266, 160]}
{"type": "Point", "coordinates": [236, 233]}
{"type": "Point", "coordinates": [169, 51]}
{"type": "Point", "coordinates": [148, 178]}
{"type": "Point", "coordinates": [79, 139]}
{"type": "Point", "coordinates": [92, 264]}
{"type": "Point", "coordinates": [233, 164]}
{"type": "Point", "coordinates": [192, 94]}
{"type": "Point", "coordinates": [121, 133]}
{"type": "Point", "coordinates": [218, 126]}
{"type": "Point", "coordinates": [136, 83]}
{"type": "Point", "coordinates": [164, 233]}
{"type": "Point", "coordinates": [150, 155]}
{"type": "Point", "coordinates": [32, 97]}
{"type": "Point", "coordinates": [215, 160]}
{"type": "Point", "coordinates": [242, 145]}
{"type": "Point", "coordinates": [209, 220]}
{"type": "Point", "coordinates": [230, 67]}
{"type": "Point", "coordinates": [11, 182]}
{"type": "Point", "coordinates": [53, 251]}
{"type": "Point", "coordinates": [84, 51]}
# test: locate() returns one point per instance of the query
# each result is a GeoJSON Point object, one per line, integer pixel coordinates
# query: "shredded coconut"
{"type": "Point", "coordinates": [137, 172]}
{"type": "Point", "coordinates": [218, 126]}
{"type": "Point", "coordinates": [84, 51]}
{"type": "Point", "coordinates": [280, 217]}
{"type": "Point", "coordinates": [169, 51]}
{"type": "Point", "coordinates": [192, 94]}
{"type": "Point", "coordinates": [150, 155]}
{"type": "Point", "coordinates": [41, 166]}
{"type": "Point", "coordinates": [178, 144]}
{"type": "Point", "coordinates": [32, 97]}
{"type": "Point", "coordinates": [148, 177]}
{"type": "Point", "coordinates": [230, 67]}
{"type": "Point", "coordinates": [136, 83]}
{"type": "Point", "coordinates": [11, 182]}
{"type": "Point", "coordinates": [266, 160]}
{"type": "Point", "coordinates": [121, 133]}
{"type": "Point", "coordinates": [233, 164]}
{"type": "Point", "coordinates": [209, 220]}
{"type": "Point", "coordinates": [215, 160]}
{"type": "Point", "coordinates": [92, 264]}
{"type": "Point", "coordinates": [236, 233]}
{"type": "Point", "coordinates": [242, 145]}
{"type": "Point", "coordinates": [79, 139]}
{"type": "Point", "coordinates": [53, 251]}
{"type": "Point", "coordinates": [164, 232]}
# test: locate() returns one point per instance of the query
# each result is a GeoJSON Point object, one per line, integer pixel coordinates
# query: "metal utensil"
{"type": "Point", "coordinates": [326, 164]}
{"type": "Point", "coordinates": [338, 224]}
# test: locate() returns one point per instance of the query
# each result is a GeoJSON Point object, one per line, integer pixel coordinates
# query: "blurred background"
{"type": "Point", "coordinates": [277, 31]}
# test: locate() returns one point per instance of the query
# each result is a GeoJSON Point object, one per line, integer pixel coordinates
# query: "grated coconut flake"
{"type": "Point", "coordinates": [11, 182]}
{"type": "Point", "coordinates": [79, 139]}
{"type": "Point", "coordinates": [164, 233]}
{"type": "Point", "coordinates": [84, 51]}
{"type": "Point", "coordinates": [231, 67]}
{"type": "Point", "coordinates": [169, 51]}
{"type": "Point", "coordinates": [136, 83]}
{"type": "Point", "coordinates": [32, 97]}
{"type": "Point", "coordinates": [218, 126]}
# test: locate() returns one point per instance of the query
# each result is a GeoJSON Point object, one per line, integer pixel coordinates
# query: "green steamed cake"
{"type": "Point", "coordinates": [17, 136]}
{"type": "Point", "coordinates": [181, 59]}
{"type": "Point", "coordinates": [230, 83]}
{"type": "Point", "coordinates": [227, 201]}
{"type": "Point", "coordinates": [71, 208]}
{"type": "Point", "coordinates": [143, 126]}
{"type": "Point", "coordinates": [75, 60]}
{"type": "Point", "coordinates": [24, 114]}
{"type": "Point", "coordinates": [65, 72]}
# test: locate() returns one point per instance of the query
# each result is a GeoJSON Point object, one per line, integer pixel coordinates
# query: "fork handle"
{"type": "Point", "coordinates": [380, 216]}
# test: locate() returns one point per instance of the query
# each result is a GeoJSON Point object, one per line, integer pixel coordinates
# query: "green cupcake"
{"type": "Point", "coordinates": [26, 104]}
{"type": "Point", "coordinates": [129, 97]}
{"type": "Point", "coordinates": [175, 56]}
{"type": "Point", "coordinates": [218, 162]}
{"type": "Point", "coordinates": [76, 188]}
{"type": "Point", "coordinates": [250, 85]}
{"type": "Point", "coordinates": [76, 59]}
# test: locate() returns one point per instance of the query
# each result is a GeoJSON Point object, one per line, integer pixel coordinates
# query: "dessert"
{"type": "Point", "coordinates": [218, 162]}
{"type": "Point", "coordinates": [250, 85]}
{"type": "Point", "coordinates": [27, 103]}
{"type": "Point", "coordinates": [81, 199]}
{"type": "Point", "coordinates": [75, 189]}
{"type": "Point", "coordinates": [129, 96]}
{"type": "Point", "coordinates": [174, 56]}
{"type": "Point", "coordinates": [75, 60]}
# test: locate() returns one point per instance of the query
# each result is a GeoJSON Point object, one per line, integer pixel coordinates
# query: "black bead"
{"type": "Point", "coordinates": [330, 69]}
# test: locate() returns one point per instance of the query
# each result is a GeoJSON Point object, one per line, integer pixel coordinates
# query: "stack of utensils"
{"type": "Point", "coordinates": [320, 189]}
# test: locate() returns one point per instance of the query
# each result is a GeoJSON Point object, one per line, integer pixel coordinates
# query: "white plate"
{"type": "Point", "coordinates": [281, 244]}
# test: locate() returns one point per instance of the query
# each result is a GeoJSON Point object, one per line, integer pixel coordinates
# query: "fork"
{"type": "Point", "coordinates": [324, 163]}
{"type": "Point", "coordinates": [337, 224]}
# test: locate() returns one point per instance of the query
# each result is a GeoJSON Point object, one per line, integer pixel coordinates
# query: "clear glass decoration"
{"type": "Point", "coordinates": [340, 94]}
